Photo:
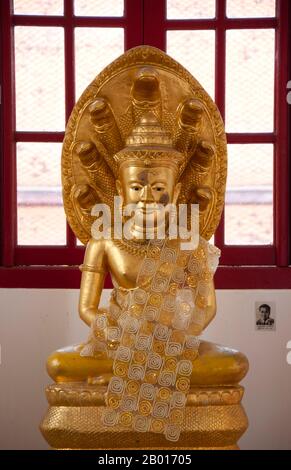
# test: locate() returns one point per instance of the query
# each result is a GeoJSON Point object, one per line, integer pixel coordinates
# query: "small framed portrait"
{"type": "Point", "coordinates": [265, 316]}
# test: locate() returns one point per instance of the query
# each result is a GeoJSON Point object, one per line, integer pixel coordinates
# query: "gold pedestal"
{"type": "Point", "coordinates": [214, 419]}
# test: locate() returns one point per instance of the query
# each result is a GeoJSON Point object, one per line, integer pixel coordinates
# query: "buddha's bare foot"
{"type": "Point", "coordinates": [101, 380]}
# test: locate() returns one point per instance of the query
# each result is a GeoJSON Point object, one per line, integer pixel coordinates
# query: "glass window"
{"type": "Point", "coordinates": [38, 7]}
{"type": "Point", "coordinates": [95, 48]}
{"type": "Point", "coordinates": [39, 73]}
{"type": "Point", "coordinates": [250, 80]}
{"type": "Point", "coordinates": [190, 9]}
{"type": "Point", "coordinates": [249, 195]}
{"type": "Point", "coordinates": [250, 8]}
{"type": "Point", "coordinates": [197, 57]}
{"type": "Point", "coordinates": [99, 7]}
{"type": "Point", "coordinates": [41, 217]}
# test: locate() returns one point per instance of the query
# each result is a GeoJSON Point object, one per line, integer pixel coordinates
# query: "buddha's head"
{"type": "Point", "coordinates": [148, 173]}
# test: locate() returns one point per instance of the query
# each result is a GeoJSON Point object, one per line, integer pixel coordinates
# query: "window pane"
{"type": "Point", "coordinates": [250, 81]}
{"type": "Point", "coordinates": [99, 7]}
{"type": "Point", "coordinates": [38, 7]}
{"type": "Point", "coordinates": [39, 69]}
{"type": "Point", "coordinates": [195, 51]}
{"type": "Point", "coordinates": [95, 48]}
{"type": "Point", "coordinates": [249, 195]}
{"type": "Point", "coordinates": [41, 217]}
{"type": "Point", "coordinates": [250, 8]}
{"type": "Point", "coordinates": [179, 9]}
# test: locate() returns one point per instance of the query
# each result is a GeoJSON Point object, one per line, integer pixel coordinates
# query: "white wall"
{"type": "Point", "coordinates": [35, 322]}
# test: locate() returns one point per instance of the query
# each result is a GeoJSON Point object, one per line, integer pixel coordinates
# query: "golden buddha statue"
{"type": "Point", "coordinates": [147, 132]}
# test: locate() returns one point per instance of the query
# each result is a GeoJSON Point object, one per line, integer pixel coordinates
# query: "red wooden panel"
{"type": "Point", "coordinates": [228, 23]}
{"type": "Point", "coordinates": [253, 277]}
{"type": "Point", "coordinates": [282, 159]}
{"type": "Point", "coordinates": [9, 216]}
{"type": "Point", "coordinates": [267, 138]}
{"type": "Point", "coordinates": [245, 255]}
{"type": "Point", "coordinates": [41, 277]}
{"type": "Point", "coordinates": [227, 277]}
{"type": "Point", "coordinates": [69, 80]}
{"type": "Point", "coordinates": [133, 13]}
{"type": "Point", "coordinates": [241, 255]}
{"type": "Point", "coordinates": [48, 255]}
{"type": "Point", "coordinates": [37, 20]}
{"type": "Point", "coordinates": [154, 24]}
{"type": "Point", "coordinates": [145, 22]}
{"type": "Point", "coordinates": [39, 136]}
{"type": "Point", "coordinates": [220, 70]}
{"type": "Point", "coordinates": [86, 21]}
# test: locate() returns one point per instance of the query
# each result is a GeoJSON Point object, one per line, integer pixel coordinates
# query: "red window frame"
{"type": "Point", "coordinates": [145, 22]}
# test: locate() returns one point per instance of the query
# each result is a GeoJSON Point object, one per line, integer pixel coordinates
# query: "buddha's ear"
{"type": "Point", "coordinates": [177, 190]}
{"type": "Point", "coordinates": [119, 188]}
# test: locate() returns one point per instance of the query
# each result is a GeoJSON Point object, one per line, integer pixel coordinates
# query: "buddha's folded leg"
{"type": "Point", "coordinates": [67, 365]}
{"type": "Point", "coordinates": [215, 365]}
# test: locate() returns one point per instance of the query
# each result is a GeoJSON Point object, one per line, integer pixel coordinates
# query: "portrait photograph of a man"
{"type": "Point", "coordinates": [265, 316]}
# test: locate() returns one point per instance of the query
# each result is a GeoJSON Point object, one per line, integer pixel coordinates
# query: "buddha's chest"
{"type": "Point", "coordinates": [124, 266]}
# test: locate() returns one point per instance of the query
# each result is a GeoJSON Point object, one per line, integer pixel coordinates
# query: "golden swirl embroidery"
{"type": "Point", "coordinates": [153, 328]}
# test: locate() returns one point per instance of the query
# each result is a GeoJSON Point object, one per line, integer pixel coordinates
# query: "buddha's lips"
{"type": "Point", "coordinates": [146, 211]}
{"type": "Point", "coordinates": [149, 209]}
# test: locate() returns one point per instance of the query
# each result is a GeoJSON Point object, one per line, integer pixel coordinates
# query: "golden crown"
{"type": "Point", "coordinates": [150, 145]}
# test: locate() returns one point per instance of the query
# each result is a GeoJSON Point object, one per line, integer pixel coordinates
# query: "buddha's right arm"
{"type": "Point", "coordinates": [93, 275]}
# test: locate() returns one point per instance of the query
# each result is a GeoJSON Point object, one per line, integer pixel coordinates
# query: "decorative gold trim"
{"type": "Point", "coordinates": [74, 421]}
{"type": "Point", "coordinates": [90, 269]}
{"type": "Point", "coordinates": [81, 394]}
{"type": "Point", "coordinates": [133, 248]}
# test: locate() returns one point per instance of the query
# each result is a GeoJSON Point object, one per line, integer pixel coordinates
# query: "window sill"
{"type": "Point", "coordinates": [68, 277]}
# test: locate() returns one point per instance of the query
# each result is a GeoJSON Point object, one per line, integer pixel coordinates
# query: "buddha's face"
{"type": "Point", "coordinates": [147, 185]}
{"type": "Point", "coordinates": [150, 188]}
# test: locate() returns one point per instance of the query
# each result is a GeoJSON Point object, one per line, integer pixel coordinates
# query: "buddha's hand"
{"type": "Point", "coordinates": [105, 331]}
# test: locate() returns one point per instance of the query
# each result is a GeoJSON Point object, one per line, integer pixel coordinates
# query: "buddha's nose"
{"type": "Point", "coordinates": [147, 195]}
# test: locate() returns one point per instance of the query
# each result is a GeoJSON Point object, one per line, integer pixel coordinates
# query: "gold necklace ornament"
{"type": "Point", "coordinates": [132, 247]}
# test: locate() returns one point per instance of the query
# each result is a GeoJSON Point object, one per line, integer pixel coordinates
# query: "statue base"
{"type": "Point", "coordinates": [214, 420]}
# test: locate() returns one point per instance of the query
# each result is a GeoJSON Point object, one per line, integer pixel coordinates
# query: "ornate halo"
{"type": "Point", "coordinates": [111, 107]}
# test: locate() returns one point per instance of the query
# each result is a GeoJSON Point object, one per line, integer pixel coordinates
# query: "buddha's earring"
{"type": "Point", "coordinates": [172, 229]}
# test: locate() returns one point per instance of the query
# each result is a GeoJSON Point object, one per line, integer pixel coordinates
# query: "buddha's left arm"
{"type": "Point", "coordinates": [210, 310]}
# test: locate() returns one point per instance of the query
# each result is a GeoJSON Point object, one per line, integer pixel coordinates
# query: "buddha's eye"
{"type": "Point", "coordinates": [159, 188]}
{"type": "Point", "coordinates": [135, 188]}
